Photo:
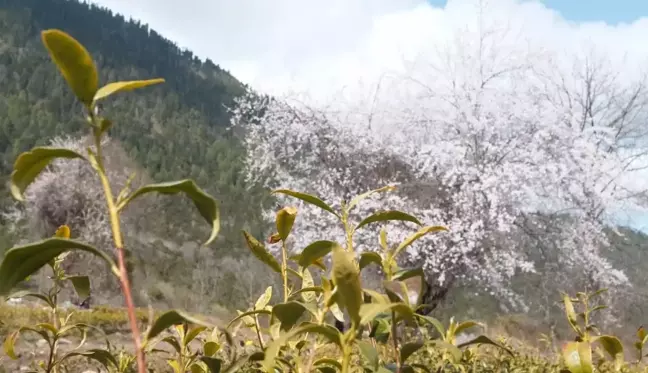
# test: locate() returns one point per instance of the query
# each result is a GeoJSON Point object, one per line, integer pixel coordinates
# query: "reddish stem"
{"type": "Point", "coordinates": [123, 278]}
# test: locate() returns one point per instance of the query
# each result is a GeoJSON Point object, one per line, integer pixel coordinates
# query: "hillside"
{"type": "Point", "coordinates": [173, 131]}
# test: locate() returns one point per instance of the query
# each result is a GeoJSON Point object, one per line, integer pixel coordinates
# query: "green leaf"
{"type": "Point", "coordinates": [81, 285]}
{"type": "Point", "coordinates": [408, 349]}
{"type": "Point", "coordinates": [411, 239]}
{"type": "Point", "coordinates": [213, 364]}
{"type": "Point", "coordinates": [362, 196]}
{"type": "Point", "coordinates": [192, 334]}
{"type": "Point", "coordinates": [169, 319]}
{"type": "Point", "coordinates": [309, 284]}
{"type": "Point", "coordinates": [308, 199]}
{"type": "Point", "coordinates": [263, 299]}
{"type": "Point", "coordinates": [241, 361]}
{"type": "Point", "coordinates": [390, 215]}
{"type": "Point", "coordinates": [9, 345]}
{"type": "Point", "coordinates": [206, 204]}
{"type": "Point", "coordinates": [482, 339]}
{"type": "Point", "coordinates": [112, 88]}
{"type": "Point", "coordinates": [285, 220]}
{"type": "Point", "coordinates": [571, 313]}
{"type": "Point", "coordinates": [613, 346]}
{"type": "Point", "coordinates": [328, 361]}
{"type": "Point", "coordinates": [434, 322]}
{"type": "Point", "coordinates": [288, 313]}
{"type": "Point", "coordinates": [369, 257]}
{"type": "Point", "coordinates": [30, 164]}
{"type": "Point", "coordinates": [249, 313]}
{"type": "Point", "coordinates": [74, 62]}
{"type": "Point", "coordinates": [261, 252]}
{"type": "Point", "coordinates": [211, 348]}
{"type": "Point", "coordinates": [103, 357]}
{"type": "Point", "coordinates": [465, 325]}
{"type": "Point", "coordinates": [369, 311]}
{"type": "Point", "coordinates": [315, 251]}
{"type": "Point", "coordinates": [22, 261]}
{"type": "Point", "coordinates": [346, 277]}
{"type": "Point", "coordinates": [578, 357]}
{"type": "Point", "coordinates": [370, 354]}
{"type": "Point", "coordinates": [453, 350]}
{"type": "Point", "coordinates": [326, 331]}
{"type": "Point", "coordinates": [23, 294]}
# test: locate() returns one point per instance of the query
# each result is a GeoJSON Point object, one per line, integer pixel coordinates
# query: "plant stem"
{"type": "Point", "coordinates": [119, 247]}
{"type": "Point", "coordinates": [256, 325]}
{"type": "Point", "coordinates": [284, 271]}
{"type": "Point", "coordinates": [395, 342]}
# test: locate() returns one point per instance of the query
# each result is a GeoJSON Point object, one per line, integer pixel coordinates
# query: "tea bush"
{"type": "Point", "coordinates": [384, 330]}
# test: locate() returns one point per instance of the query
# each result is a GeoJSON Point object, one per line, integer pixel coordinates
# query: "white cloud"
{"type": "Point", "coordinates": [320, 45]}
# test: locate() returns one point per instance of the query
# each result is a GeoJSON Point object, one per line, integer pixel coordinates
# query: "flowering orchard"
{"type": "Point", "coordinates": [513, 155]}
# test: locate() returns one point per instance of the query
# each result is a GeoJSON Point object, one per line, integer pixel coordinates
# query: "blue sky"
{"type": "Point", "coordinates": [609, 11]}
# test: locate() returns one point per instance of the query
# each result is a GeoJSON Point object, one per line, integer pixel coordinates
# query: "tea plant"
{"type": "Point", "coordinates": [77, 67]}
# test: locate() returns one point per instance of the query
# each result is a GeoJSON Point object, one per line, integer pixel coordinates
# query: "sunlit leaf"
{"type": "Point", "coordinates": [211, 348]}
{"type": "Point", "coordinates": [369, 311]}
{"type": "Point", "coordinates": [249, 313]}
{"type": "Point", "coordinates": [9, 345]}
{"type": "Point", "coordinates": [391, 215]}
{"type": "Point", "coordinates": [74, 62]}
{"type": "Point", "coordinates": [62, 232]}
{"type": "Point", "coordinates": [578, 357]}
{"type": "Point", "coordinates": [22, 261]}
{"type": "Point", "coordinates": [103, 357]}
{"type": "Point", "coordinates": [263, 299]}
{"type": "Point", "coordinates": [613, 346]}
{"type": "Point", "coordinates": [411, 239]}
{"type": "Point", "coordinates": [206, 204]}
{"type": "Point", "coordinates": [326, 331]}
{"type": "Point", "coordinates": [285, 220]}
{"type": "Point", "coordinates": [192, 334]}
{"type": "Point", "coordinates": [308, 199]}
{"type": "Point", "coordinates": [309, 284]}
{"type": "Point", "coordinates": [362, 196]}
{"type": "Point", "coordinates": [24, 293]}
{"type": "Point", "coordinates": [261, 252]}
{"type": "Point", "coordinates": [30, 164]}
{"type": "Point", "coordinates": [115, 87]}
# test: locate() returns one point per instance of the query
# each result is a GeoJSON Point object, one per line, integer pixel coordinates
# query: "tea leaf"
{"type": "Point", "coordinates": [74, 62]}
{"type": "Point", "coordinates": [326, 331]}
{"type": "Point", "coordinates": [261, 252]}
{"type": "Point", "coordinates": [213, 364]}
{"type": "Point", "coordinates": [571, 313]}
{"type": "Point", "coordinates": [62, 232]}
{"type": "Point", "coordinates": [578, 357]}
{"type": "Point", "coordinates": [408, 349]}
{"type": "Point", "coordinates": [359, 198]}
{"type": "Point", "coordinates": [613, 346]}
{"type": "Point", "coordinates": [411, 239]}
{"type": "Point", "coordinates": [329, 361]}
{"type": "Point", "coordinates": [169, 319]}
{"type": "Point", "coordinates": [369, 311]}
{"type": "Point", "coordinates": [211, 348]}
{"type": "Point", "coordinates": [22, 261]}
{"type": "Point", "coordinates": [285, 220]}
{"type": "Point", "coordinates": [309, 284]}
{"type": "Point", "coordinates": [263, 299]}
{"type": "Point", "coordinates": [369, 257]}
{"type": "Point", "coordinates": [192, 334]}
{"type": "Point", "coordinates": [206, 204]}
{"type": "Point", "coordinates": [112, 88]}
{"type": "Point", "coordinates": [482, 339]}
{"type": "Point", "coordinates": [30, 164]}
{"type": "Point", "coordinates": [346, 277]}
{"type": "Point", "coordinates": [103, 357]}
{"type": "Point", "coordinates": [308, 199]}
{"type": "Point", "coordinates": [391, 215]}
{"type": "Point", "coordinates": [288, 313]}
{"type": "Point", "coordinates": [453, 350]}
{"type": "Point", "coordinates": [465, 325]}
{"type": "Point", "coordinates": [315, 251]}
{"type": "Point", "coordinates": [436, 323]}
{"type": "Point", "coordinates": [370, 354]}
{"type": "Point", "coordinates": [81, 285]}
{"type": "Point", "coordinates": [9, 344]}
{"type": "Point", "coordinates": [249, 313]}
{"type": "Point", "coordinates": [24, 293]}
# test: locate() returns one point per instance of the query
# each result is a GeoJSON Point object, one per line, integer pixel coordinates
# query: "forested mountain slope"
{"type": "Point", "coordinates": [172, 131]}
